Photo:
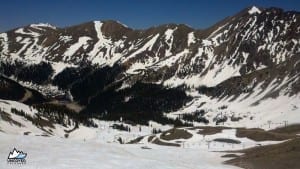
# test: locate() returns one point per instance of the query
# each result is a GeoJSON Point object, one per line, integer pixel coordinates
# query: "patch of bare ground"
{"type": "Point", "coordinates": [175, 133]}
{"type": "Point", "coordinates": [262, 135]}
{"type": "Point", "coordinates": [227, 140]}
{"type": "Point", "coordinates": [150, 138]}
{"type": "Point", "coordinates": [285, 155]}
{"type": "Point", "coordinates": [230, 156]}
{"type": "Point", "coordinates": [162, 143]}
{"type": "Point", "coordinates": [207, 130]}
{"type": "Point", "coordinates": [135, 141]}
{"type": "Point", "coordinates": [291, 129]}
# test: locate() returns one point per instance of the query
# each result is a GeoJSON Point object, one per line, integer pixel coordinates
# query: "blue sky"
{"type": "Point", "coordinates": [134, 13]}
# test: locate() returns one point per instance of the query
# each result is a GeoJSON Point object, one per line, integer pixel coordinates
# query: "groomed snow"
{"type": "Point", "coordinates": [57, 153]}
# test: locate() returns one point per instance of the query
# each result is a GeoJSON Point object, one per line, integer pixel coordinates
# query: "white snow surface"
{"type": "Point", "coordinates": [191, 38]}
{"type": "Point", "coordinates": [96, 147]}
{"type": "Point", "coordinates": [82, 42]}
{"type": "Point", "coordinates": [57, 153]}
{"type": "Point", "coordinates": [10, 128]}
{"type": "Point", "coordinates": [59, 67]}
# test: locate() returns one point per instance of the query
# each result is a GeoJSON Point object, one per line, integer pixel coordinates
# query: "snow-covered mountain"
{"type": "Point", "coordinates": [244, 68]}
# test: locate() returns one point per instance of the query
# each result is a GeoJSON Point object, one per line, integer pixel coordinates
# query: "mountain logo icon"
{"type": "Point", "coordinates": [17, 156]}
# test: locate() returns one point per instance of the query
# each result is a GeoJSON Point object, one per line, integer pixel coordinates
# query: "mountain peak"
{"type": "Point", "coordinates": [42, 25]}
{"type": "Point", "coordinates": [113, 23]}
{"type": "Point", "coordinates": [254, 10]}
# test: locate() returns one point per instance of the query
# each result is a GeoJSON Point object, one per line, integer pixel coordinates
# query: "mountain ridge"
{"type": "Point", "coordinates": [243, 11]}
{"type": "Point", "coordinates": [255, 50]}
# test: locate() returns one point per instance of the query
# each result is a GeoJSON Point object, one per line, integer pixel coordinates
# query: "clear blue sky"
{"type": "Point", "coordinates": [134, 13]}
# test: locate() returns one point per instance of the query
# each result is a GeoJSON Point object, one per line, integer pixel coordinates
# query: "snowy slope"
{"type": "Point", "coordinates": [15, 124]}
{"type": "Point", "coordinates": [267, 114]}
{"type": "Point", "coordinates": [12, 123]}
{"type": "Point", "coordinates": [244, 43]}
